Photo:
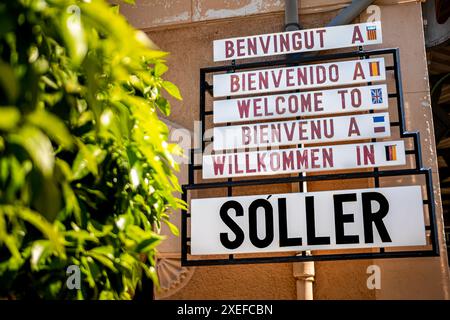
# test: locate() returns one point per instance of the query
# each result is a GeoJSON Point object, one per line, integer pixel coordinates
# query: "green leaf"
{"type": "Point", "coordinates": [163, 105]}
{"type": "Point", "coordinates": [9, 241]}
{"type": "Point", "coordinates": [116, 8]}
{"type": "Point", "coordinates": [81, 236]}
{"type": "Point", "coordinates": [38, 147]}
{"type": "Point", "coordinates": [81, 95]}
{"type": "Point", "coordinates": [102, 231]}
{"type": "Point", "coordinates": [91, 271]}
{"type": "Point", "coordinates": [47, 229]}
{"type": "Point", "coordinates": [71, 202]}
{"type": "Point", "coordinates": [147, 245]}
{"type": "Point", "coordinates": [9, 117]}
{"type": "Point", "coordinates": [172, 89]}
{"type": "Point", "coordinates": [63, 169]}
{"type": "Point", "coordinates": [8, 81]}
{"type": "Point", "coordinates": [73, 33]}
{"type": "Point", "coordinates": [47, 199]}
{"type": "Point", "coordinates": [40, 251]}
{"type": "Point", "coordinates": [160, 69]}
{"type": "Point", "coordinates": [106, 295]}
{"type": "Point", "coordinates": [87, 160]}
{"type": "Point", "coordinates": [104, 255]}
{"type": "Point", "coordinates": [52, 126]}
{"type": "Point", "coordinates": [173, 228]}
{"type": "Point", "coordinates": [151, 273]}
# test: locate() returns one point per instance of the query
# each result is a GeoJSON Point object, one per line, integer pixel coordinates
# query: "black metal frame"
{"type": "Point", "coordinates": [376, 174]}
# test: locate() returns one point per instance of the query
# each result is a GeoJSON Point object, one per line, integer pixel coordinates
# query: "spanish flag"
{"type": "Point", "coordinates": [374, 68]}
{"type": "Point", "coordinates": [391, 152]}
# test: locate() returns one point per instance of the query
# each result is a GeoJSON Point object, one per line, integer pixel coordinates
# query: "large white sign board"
{"type": "Point", "coordinates": [298, 41]}
{"type": "Point", "coordinates": [304, 131]}
{"type": "Point", "coordinates": [284, 109]}
{"type": "Point", "coordinates": [299, 77]}
{"type": "Point", "coordinates": [310, 103]}
{"type": "Point", "coordinates": [344, 219]}
{"type": "Point", "coordinates": [311, 159]}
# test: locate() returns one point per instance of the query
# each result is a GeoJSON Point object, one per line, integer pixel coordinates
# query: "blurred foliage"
{"type": "Point", "coordinates": [86, 173]}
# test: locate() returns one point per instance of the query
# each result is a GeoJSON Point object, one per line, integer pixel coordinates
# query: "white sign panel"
{"type": "Point", "coordinates": [328, 220]}
{"type": "Point", "coordinates": [323, 158]}
{"type": "Point", "coordinates": [299, 77]}
{"type": "Point", "coordinates": [298, 41]}
{"type": "Point", "coordinates": [303, 131]}
{"type": "Point", "coordinates": [335, 101]}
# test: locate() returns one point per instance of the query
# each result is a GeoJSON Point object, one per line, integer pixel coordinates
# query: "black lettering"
{"type": "Point", "coordinates": [375, 217]}
{"type": "Point", "coordinates": [253, 223]}
{"type": "Point", "coordinates": [285, 241]}
{"type": "Point", "coordinates": [340, 218]}
{"type": "Point", "coordinates": [224, 239]}
{"type": "Point", "coordinates": [311, 224]}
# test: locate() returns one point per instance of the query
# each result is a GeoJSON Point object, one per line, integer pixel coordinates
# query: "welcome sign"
{"type": "Point", "coordinates": [301, 118]}
{"type": "Point", "coordinates": [299, 77]}
{"type": "Point", "coordinates": [298, 41]}
{"type": "Point", "coordinates": [320, 130]}
{"type": "Point", "coordinates": [306, 103]}
{"type": "Point", "coordinates": [311, 159]}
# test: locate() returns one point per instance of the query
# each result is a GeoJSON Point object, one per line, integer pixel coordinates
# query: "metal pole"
{"type": "Point", "coordinates": [291, 15]}
{"type": "Point", "coordinates": [303, 271]}
{"type": "Point", "coordinates": [349, 14]}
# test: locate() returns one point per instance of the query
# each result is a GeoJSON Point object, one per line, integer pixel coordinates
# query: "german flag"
{"type": "Point", "coordinates": [391, 152]}
{"type": "Point", "coordinates": [374, 68]}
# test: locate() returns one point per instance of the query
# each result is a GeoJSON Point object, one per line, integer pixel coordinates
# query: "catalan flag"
{"type": "Point", "coordinates": [371, 32]}
{"type": "Point", "coordinates": [379, 122]}
{"type": "Point", "coordinates": [374, 68]}
{"type": "Point", "coordinates": [391, 152]}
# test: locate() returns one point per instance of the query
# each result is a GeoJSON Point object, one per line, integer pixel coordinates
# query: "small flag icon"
{"type": "Point", "coordinates": [391, 152]}
{"type": "Point", "coordinates": [371, 32]}
{"type": "Point", "coordinates": [374, 68]}
{"type": "Point", "coordinates": [377, 96]}
{"type": "Point", "coordinates": [379, 120]}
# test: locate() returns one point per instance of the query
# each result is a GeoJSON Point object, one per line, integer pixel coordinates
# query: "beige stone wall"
{"type": "Point", "coordinates": [164, 13]}
{"type": "Point", "coordinates": [187, 28]}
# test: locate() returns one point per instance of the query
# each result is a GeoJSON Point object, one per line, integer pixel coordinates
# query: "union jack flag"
{"type": "Point", "coordinates": [377, 96]}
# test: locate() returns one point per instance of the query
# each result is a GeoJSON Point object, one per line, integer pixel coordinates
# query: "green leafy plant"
{"type": "Point", "coordinates": [86, 173]}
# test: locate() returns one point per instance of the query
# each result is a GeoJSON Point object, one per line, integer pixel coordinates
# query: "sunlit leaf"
{"type": "Point", "coordinates": [87, 160]}
{"type": "Point", "coordinates": [173, 228]}
{"type": "Point", "coordinates": [73, 33]}
{"type": "Point", "coordinates": [44, 226]}
{"type": "Point", "coordinates": [163, 105]}
{"type": "Point", "coordinates": [52, 126]}
{"type": "Point", "coordinates": [86, 172]}
{"type": "Point", "coordinates": [40, 250]}
{"type": "Point", "coordinates": [38, 147]}
{"type": "Point", "coordinates": [106, 295]}
{"type": "Point", "coordinates": [160, 69]}
{"type": "Point", "coordinates": [148, 244]}
{"type": "Point", "coordinates": [172, 89]}
{"type": "Point", "coordinates": [104, 255]}
{"type": "Point", "coordinates": [9, 117]}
